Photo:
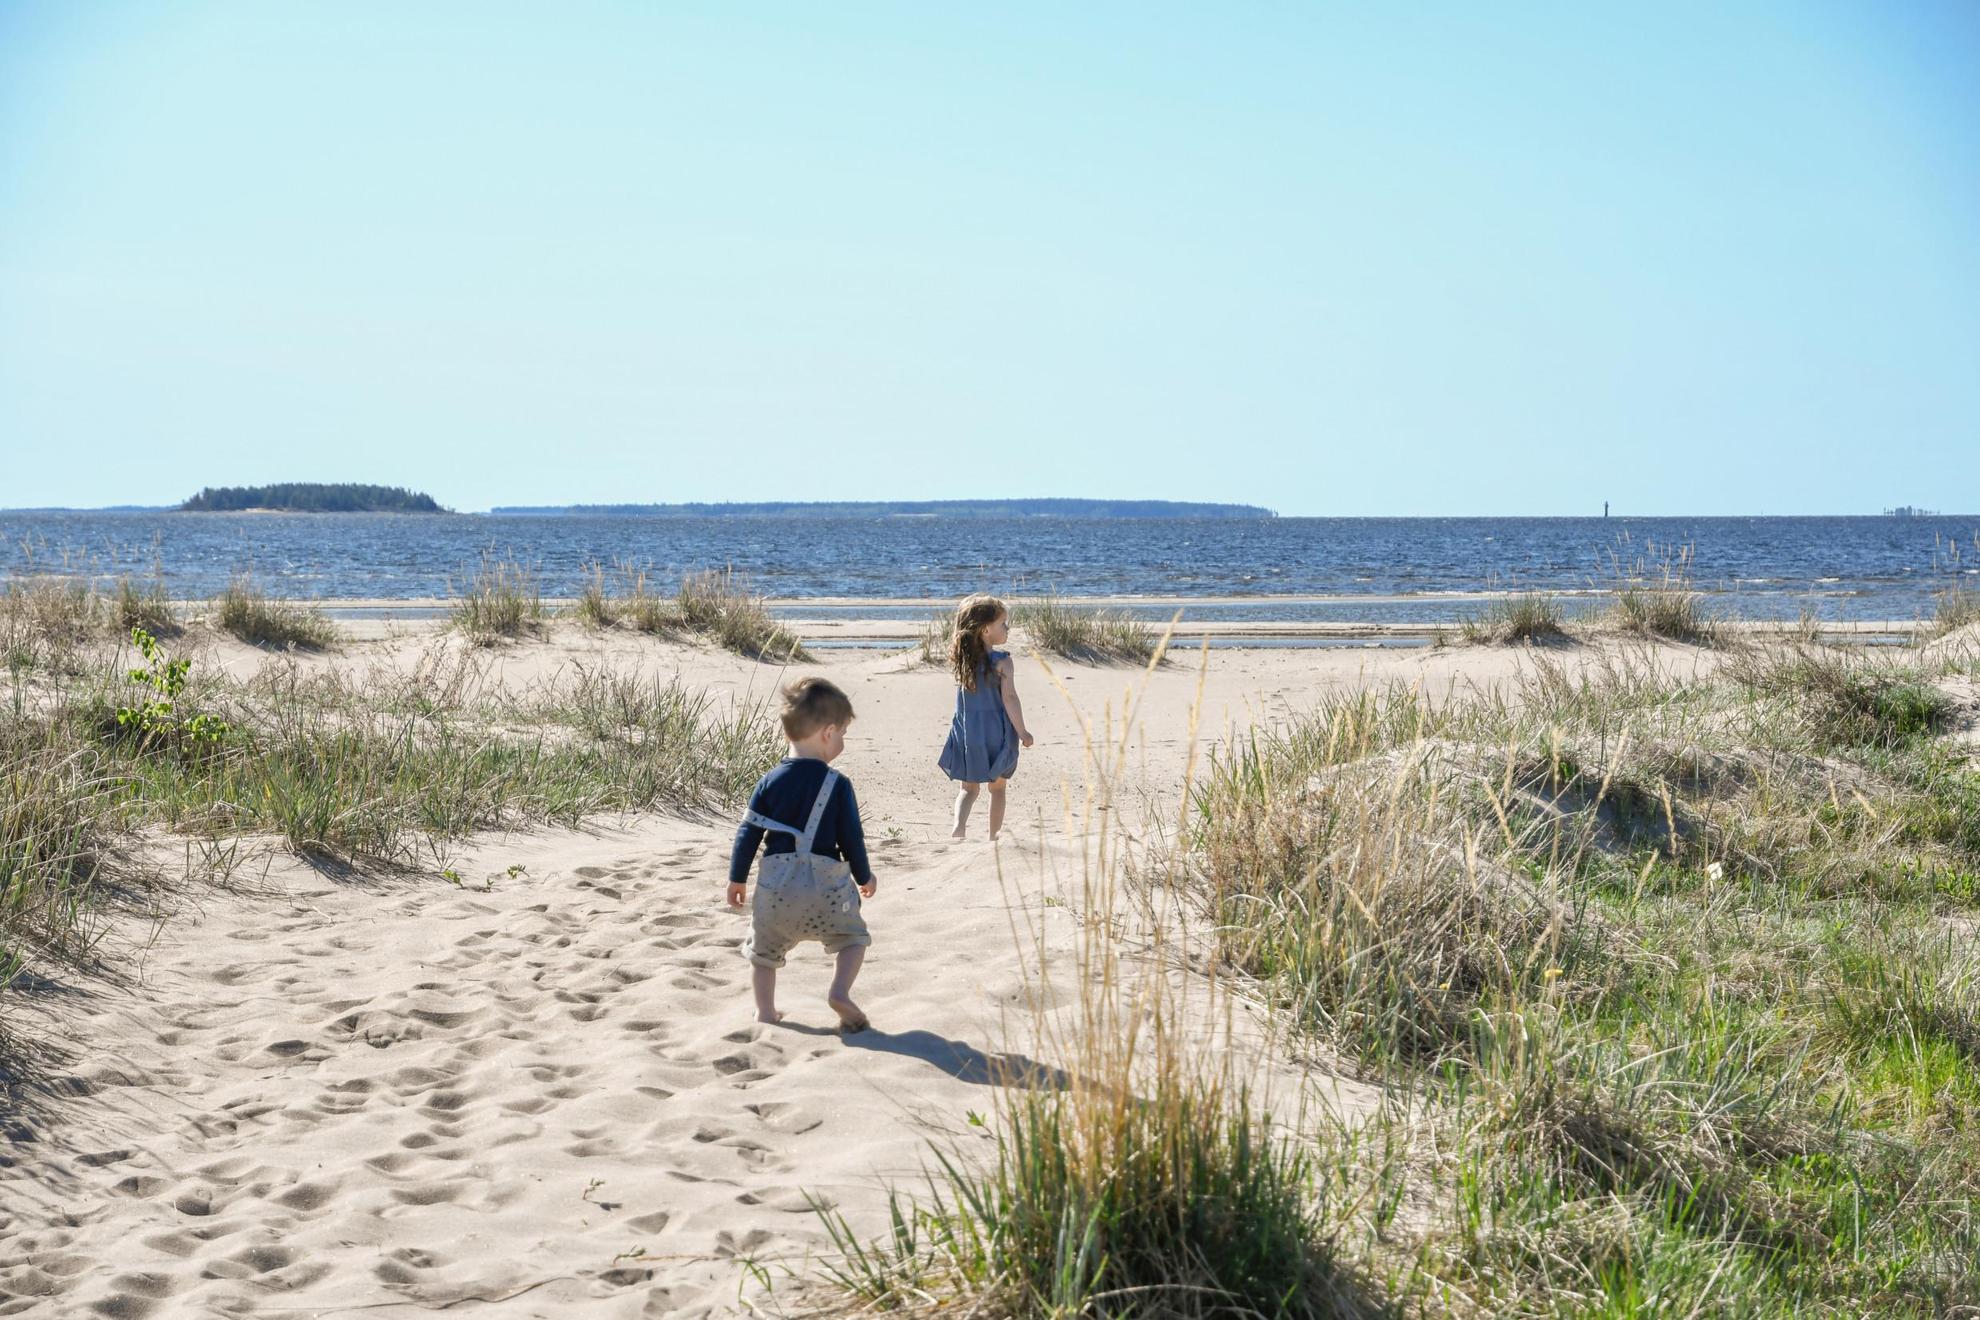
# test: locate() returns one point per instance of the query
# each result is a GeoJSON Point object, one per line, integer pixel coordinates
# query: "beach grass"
{"type": "Point", "coordinates": [1671, 962]}
{"type": "Point", "coordinates": [143, 604]}
{"type": "Point", "coordinates": [719, 605]}
{"type": "Point", "coordinates": [385, 774]}
{"type": "Point", "coordinates": [1655, 595]}
{"type": "Point", "coordinates": [715, 606]}
{"type": "Point", "coordinates": [1056, 626]}
{"type": "Point", "coordinates": [243, 610]}
{"type": "Point", "coordinates": [937, 635]}
{"type": "Point", "coordinates": [1953, 609]}
{"type": "Point", "coordinates": [502, 603]}
{"type": "Point", "coordinates": [635, 604]}
{"type": "Point", "coordinates": [1532, 619]}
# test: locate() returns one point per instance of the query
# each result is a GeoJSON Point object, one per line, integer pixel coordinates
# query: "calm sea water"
{"type": "Point", "coordinates": [1405, 569]}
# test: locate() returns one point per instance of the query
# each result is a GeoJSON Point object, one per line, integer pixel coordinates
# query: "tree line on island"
{"type": "Point", "coordinates": [311, 497]}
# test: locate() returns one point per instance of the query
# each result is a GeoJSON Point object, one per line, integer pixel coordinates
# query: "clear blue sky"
{"type": "Point", "coordinates": [1334, 259]}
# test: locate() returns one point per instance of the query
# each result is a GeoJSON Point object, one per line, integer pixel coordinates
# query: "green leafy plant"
{"type": "Point", "coordinates": [159, 717]}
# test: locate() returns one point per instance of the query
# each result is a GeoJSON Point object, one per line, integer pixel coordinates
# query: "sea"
{"type": "Point", "coordinates": [1404, 570]}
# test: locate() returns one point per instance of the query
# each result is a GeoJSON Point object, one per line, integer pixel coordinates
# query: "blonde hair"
{"type": "Point", "coordinates": [969, 654]}
{"type": "Point", "coordinates": [812, 703]}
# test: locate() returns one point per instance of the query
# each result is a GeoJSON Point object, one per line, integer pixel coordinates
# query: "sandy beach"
{"type": "Point", "coordinates": [528, 1084]}
{"type": "Point", "coordinates": [323, 1092]}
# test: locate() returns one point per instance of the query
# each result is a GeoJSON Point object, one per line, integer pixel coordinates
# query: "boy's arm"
{"type": "Point", "coordinates": [852, 840]}
{"type": "Point", "coordinates": [1007, 684]}
{"type": "Point", "coordinates": [748, 839]}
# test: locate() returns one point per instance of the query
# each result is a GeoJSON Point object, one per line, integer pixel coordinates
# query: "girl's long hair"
{"type": "Point", "coordinates": [969, 655]}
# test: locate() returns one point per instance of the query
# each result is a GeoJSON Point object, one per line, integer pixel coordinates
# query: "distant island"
{"type": "Point", "coordinates": [905, 509]}
{"type": "Point", "coordinates": [311, 497]}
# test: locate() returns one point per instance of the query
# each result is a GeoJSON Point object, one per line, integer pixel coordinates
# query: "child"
{"type": "Point", "coordinates": [816, 850]}
{"type": "Point", "coordinates": [989, 724]}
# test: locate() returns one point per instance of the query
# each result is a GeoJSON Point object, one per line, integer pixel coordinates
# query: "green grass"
{"type": "Point", "coordinates": [243, 610]}
{"type": "Point", "coordinates": [502, 603]}
{"type": "Point", "coordinates": [1056, 626]}
{"type": "Point", "coordinates": [1667, 961]}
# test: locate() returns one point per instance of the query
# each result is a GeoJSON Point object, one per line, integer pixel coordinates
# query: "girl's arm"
{"type": "Point", "coordinates": [1007, 685]}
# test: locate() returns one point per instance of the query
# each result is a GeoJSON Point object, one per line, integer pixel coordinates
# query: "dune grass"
{"type": "Point", "coordinates": [1533, 620]}
{"type": "Point", "coordinates": [715, 606]}
{"type": "Point", "coordinates": [1054, 625]}
{"type": "Point", "coordinates": [1953, 609]}
{"type": "Point", "coordinates": [502, 603]}
{"type": "Point", "coordinates": [376, 773]}
{"type": "Point", "coordinates": [1144, 1178]}
{"type": "Point", "coordinates": [243, 610]}
{"type": "Point", "coordinates": [1655, 596]}
{"type": "Point", "coordinates": [719, 606]}
{"type": "Point", "coordinates": [633, 605]}
{"type": "Point", "coordinates": [1673, 964]}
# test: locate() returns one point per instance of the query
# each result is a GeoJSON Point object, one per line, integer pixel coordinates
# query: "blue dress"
{"type": "Point", "coordinates": [983, 743]}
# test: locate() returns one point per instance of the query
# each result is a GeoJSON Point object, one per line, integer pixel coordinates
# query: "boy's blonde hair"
{"type": "Point", "coordinates": [812, 703]}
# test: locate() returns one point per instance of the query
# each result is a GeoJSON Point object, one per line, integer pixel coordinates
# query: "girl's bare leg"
{"type": "Point", "coordinates": [965, 799]}
{"type": "Point", "coordinates": [840, 995]}
{"type": "Point", "coordinates": [763, 981]}
{"type": "Point", "coordinates": [997, 787]}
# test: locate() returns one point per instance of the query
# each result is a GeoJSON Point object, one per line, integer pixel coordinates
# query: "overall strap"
{"type": "Point", "coordinates": [818, 810]}
{"type": "Point", "coordinates": [763, 822]}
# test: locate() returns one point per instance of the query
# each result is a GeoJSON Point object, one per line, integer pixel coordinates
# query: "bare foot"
{"type": "Point", "coordinates": [851, 1018]}
{"type": "Point", "coordinates": [773, 1017]}
{"type": "Point", "coordinates": [960, 835]}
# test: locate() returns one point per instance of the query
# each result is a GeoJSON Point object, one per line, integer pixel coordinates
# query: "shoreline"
{"type": "Point", "coordinates": [850, 621]}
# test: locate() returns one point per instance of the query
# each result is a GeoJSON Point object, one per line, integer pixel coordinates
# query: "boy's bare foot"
{"type": "Point", "coordinates": [851, 1018]}
{"type": "Point", "coordinates": [772, 1017]}
{"type": "Point", "coordinates": [960, 835]}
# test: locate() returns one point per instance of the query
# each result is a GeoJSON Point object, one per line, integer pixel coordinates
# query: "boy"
{"type": "Point", "coordinates": [816, 850]}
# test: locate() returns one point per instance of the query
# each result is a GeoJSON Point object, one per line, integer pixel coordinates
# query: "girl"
{"type": "Point", "coordinates": [989, 724]}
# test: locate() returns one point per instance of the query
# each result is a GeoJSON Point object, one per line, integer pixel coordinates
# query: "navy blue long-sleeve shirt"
{"type": "Point", "coordinates": [785, 795]}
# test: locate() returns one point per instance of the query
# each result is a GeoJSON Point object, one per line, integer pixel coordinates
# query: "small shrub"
{"type": "Point", "coordinates": [1057, 627]}
{"type": "Point", "coordinates": [245, 612]}
{"type": "Point", "coordinates": [719, 606]}
{"type": "Point", "coordinates": [1529, 619]}
{"type": "Point", "coordinates": [502, 603]}
{"type": "Point", "coordinates": [159, 718]}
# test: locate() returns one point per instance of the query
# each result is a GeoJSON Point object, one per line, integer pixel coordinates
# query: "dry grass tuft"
{"type": "Point", "coordinates": [244, 611]}
{"type": "Point", "coordinates": [719, 605]}
{"type": "Point", "coordinates": [1532, 620]}
{"type": "Point", "coordinates": [502, 603]}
